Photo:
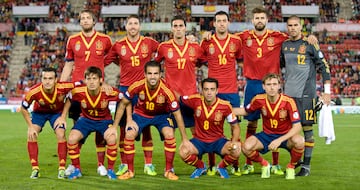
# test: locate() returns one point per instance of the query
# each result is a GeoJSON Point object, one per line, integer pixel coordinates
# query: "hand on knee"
{"type": "Point", "coordinates": [131, 132]}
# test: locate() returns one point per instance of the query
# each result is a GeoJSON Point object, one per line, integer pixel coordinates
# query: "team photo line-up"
{"type": "Point", "coordinates": [158, 87]}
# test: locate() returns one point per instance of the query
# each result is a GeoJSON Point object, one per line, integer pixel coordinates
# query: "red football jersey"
{"type": "Point", "coordinates": [277, 117]}
{"type": "Point", "coordinates": [261, 53]}
{"type": "Point", "coordinates": [152, 102]}
{"type": "Point", "coordinates": [95, 107]}
{"type": "Point", "coordinates": [222, 58]}
{"type": "Point", "coordinates": [86, 52]}
{"type": "Point", "coordinates": [47, 103]}
{"type": "Point", "coordinates": [209, 120]}
{"type": "Point", "coordinates": [180, 65]}
{"type": "Point", "coordinates": [131, 57]}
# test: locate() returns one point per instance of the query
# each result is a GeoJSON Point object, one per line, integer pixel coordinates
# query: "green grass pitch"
{"type": "Point", "coordinates": [334, 166]}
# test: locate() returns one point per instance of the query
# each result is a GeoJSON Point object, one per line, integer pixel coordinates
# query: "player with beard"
{"type": "Point", "coordinates": [131, 53]}
{"type": "Point", "coordinates": [154, 105]}
{"type": "Point", "coordinates": [222, 52]}
{"type": "Point", "coordinates": [261, 49]}
{"type": "Point", "coordinates": [85, 49]}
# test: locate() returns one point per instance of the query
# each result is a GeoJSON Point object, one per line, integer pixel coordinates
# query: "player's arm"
{"type": "Point", "coordinates": [66, 73]}
{"type": "Point", "coordinates": [120, 110]}
{"type": "Point", "coordinates": [61, 120]}
{"type": "Point", "coordinates": [111, 57]}
{"type": "Point", "coordinates": [282, 60]}
{"type": "Point", "coordinates": [240, 111]}
{"type": "Point", "coordinates": [26, 114]}
{"type": "Point", "coordinates": [296, 128]}
{"type": "Point", "coordinates": [32, 132]}
{"type": "Point", "coordinates": [235, 139]}
{"type": "Point", "coordinates": [324, 68]}
{"type": "Point", "coordinates": [66, 108]}
{"type": "Point", "coordinates": [235, 131]}
{"type": "Point", "coordinates": [128, 110]}
{"type": "Point", "coordinates": [180, 123]}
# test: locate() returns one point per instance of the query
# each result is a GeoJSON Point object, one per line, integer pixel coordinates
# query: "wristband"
{"type": "Point", "coordinates": [327, 88]}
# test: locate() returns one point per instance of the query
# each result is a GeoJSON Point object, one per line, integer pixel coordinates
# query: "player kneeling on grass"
{"type": "Point", "coordinates": [95, 116]}
{"type": "Point", "coordinates": [48, 97]}
{"type": "Point", "coordinates": [210, 114]}
{"type": "Point", "coordinates": [281, 127]}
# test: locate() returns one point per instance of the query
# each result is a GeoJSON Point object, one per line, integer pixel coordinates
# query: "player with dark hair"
{"type": "Point", "coordinates": [261, 49]}
{"type": "Point", "coordinates": [281, 127]}
{"type": "Point", "coordinates": [85, 49]}
{"type": "Point", "coordinates": [222, 51]}
{"type": "Point", "coordinates": [155, 103]}
{"type": "Point", "coordinates": [210, 114]}
{"type": "Point", "coordinates": [301, 61]}
{"type": "Point", "coordinates": [95, 116]}
{"type": "Point", "coordinates": [180, 59]}
{"type": "Point", "coordinates": [48, 97]}
{"type": "Point", "coordinates": [131, 53]}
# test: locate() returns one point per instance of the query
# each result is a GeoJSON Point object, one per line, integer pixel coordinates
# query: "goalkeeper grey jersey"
{"type": "Point", "coordinates": [301, 61]}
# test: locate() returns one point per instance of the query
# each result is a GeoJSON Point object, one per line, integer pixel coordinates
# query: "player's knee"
{"type": "Point", "coordinates": [111, 139]}
{"type": "Point", "coordinates": [168, 132]}
{"type": "Point", "coordinates": [298, 141]}
{"type": "Point", "coordinates": [61, 136]}
{"type": "Point", "coordinates": [183, 152]}
{"type": "Point", "coordinates": [73, 137]}
{"type": "Point", "coordinates": [131, 132]}
{"type": "Point", "coordinates": [247, 146]}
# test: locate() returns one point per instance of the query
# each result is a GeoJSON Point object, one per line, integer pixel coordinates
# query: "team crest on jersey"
{"type": "Point", "coordinates": [302, 49]}
{"type": "Point", "coordinates": [104, 104]}
{"type": "Point", "coordinates": [232, 47]}
{"type": "Point", "coordinates": [83, 104]}
{"type": "Point", "coordinates": [160, 99]}
{"type": "Point", "coordinates": [211, 49]}
{"type": "Point", "coordinates": [191, 51]}
{"type": "Point", "coordinates": [263, 111]}
{"type": "Point", "coordinates": [270, 41]}
{"type": "Point", "coordinates": [123, 50]}
{"type": "Point", "coordinates": [218, 116]}
{"type": "Point", "coordinates": [170, 53]}
{"type": "Point", "coordinates": [61, 98]}
{"type": "Point", "coordinates": [249, 42]}
{"type": "Point", "coordinates": [282, 114]}
{"type": "Point", "coordinates": [198, 111]}
{"type": "Point", "coordinates": [292, 49]}
{"type": "Point", "coordinates": [142, 95]}
{"type": "Point", "coordinates": [77, 46]}
{"type": "Point", "coordinates": [99, 45]}
{"type": "Point", "coordinates": [42, 102]}
{"type": "Point", "coordinates": [144, 50]}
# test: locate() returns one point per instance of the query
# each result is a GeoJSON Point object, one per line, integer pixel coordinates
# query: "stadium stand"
{"type": "Point", "coordinates": [6, 43]}
{"type": "Point", "coordinates": [342, 50]}
{"type": "Point", "coordinates": [329, 9]}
